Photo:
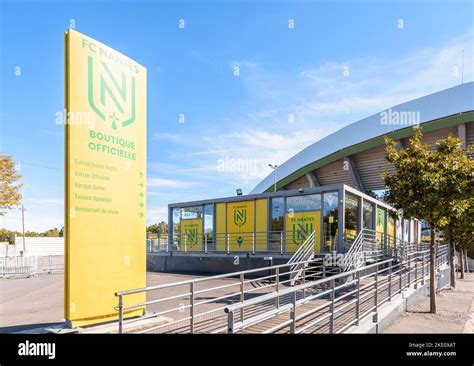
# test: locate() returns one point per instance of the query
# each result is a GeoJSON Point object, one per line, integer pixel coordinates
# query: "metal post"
{"type": "Point", "coordinates": [191, 309]}
{"type": "Point", "coordinates": [120, 314]}
{"type": "Point", "coordinates": [423, 269]}
{"type": "Point", "coordinates": [376, 289]}
{"type": "Point", "coordinates": [416, 272]}
{"type": "Point", "coordinates": [253, 243]}
{"type": "Point", "coordinates": [390, 282]}
{"type": "Point", "coordinates": [332, 297]}
{"type": "Point", "coordinates": [228, 242]}
{"type": "Point", "coordinates": [242, 295]}
{"type": "Point", "coordinates": [409, 271]}
{"type": "Point", "coordinates": [304, 282]}
{"type": "Point", "coordinates": [185, 243]}
{"type": "Point", "coordinates": [230, 322]}
{"type": "Point", "coordinates": [23, 225]}
{"type": "Point", "coordinates": [293, 314]}
{"type": "Point", "coordinates": [324, 276]}
{"type": "Point", "coordinates": [358, 298]}
{"type": "Point", "coordinates": [400, 265]}
{"type": "Point", "coordinates": [281, 242]}
{"type": "Point", "coordinates": [277, 274]}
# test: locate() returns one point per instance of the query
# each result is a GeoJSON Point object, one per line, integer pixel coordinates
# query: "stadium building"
{"type": "Point", "coordinates": [329, 188]}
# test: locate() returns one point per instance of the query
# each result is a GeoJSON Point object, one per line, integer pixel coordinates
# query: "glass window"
{"type": "Point", "coordinates": [184, 213]}
{"type": "Point", "coordinates": [176, 226]}
{"type": "Point", "coordinates": [381, 226]}
{"type": "Point", "coordinates": [391, 231]}
{"type": "Point", "coordinates": [209, 226]}
{"type": "Point", "coordinates": [278, 211]}
{"type": "Point", "coordinates": [368, 213]}
{"type": "Point", "coordinates": [351, 217]}
{"type": "Point", "coordinates": [311, 202]}
{"type": "Point", "coordinates": [330, 220]}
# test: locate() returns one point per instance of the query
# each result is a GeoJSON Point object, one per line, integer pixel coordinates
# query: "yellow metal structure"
{"type": "Point", "coordinates": [105, 182]}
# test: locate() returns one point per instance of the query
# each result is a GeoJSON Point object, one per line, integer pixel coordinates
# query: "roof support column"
{"type": "Point", "coordinates": [462, 133]}
{"type": "Point", "coordinates": [354, 174]}
{"type": "Point", "coordinates": [312, 180]}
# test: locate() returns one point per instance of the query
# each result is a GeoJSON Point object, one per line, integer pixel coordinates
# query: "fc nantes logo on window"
{"type": "Point", "coordinates": [240, 216]}
{"type": "Point", "coordinates": [300, 232]}
{"type": "Point", "coordinates": [111, 94]}
{"type": "Point", "coordinates": [191, 236]}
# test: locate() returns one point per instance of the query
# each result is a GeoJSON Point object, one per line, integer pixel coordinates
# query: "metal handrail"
{"type": "Point", "coordinates": [411, 266]}
{"type": "Point", "coordinates": [304, 253]}
{"type": "Point", "coordinates": [275, 279]}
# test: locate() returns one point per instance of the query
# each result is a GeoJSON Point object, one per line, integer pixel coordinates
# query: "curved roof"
{"type": "Point", "coordinates": [449, 102]}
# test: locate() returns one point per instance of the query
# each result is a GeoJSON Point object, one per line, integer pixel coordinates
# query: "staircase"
{"type": "Point", "coordinates": [304, 254]}
{"type": "Point", "coordinates": [355, 256]}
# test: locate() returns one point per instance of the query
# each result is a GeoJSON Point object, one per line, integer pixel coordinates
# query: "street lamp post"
{"type": "Point", "coordinates": [274, 167]}
{"type": "Point", "coordinates": [23, 224]}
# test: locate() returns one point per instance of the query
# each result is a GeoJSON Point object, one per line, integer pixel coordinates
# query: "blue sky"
{"type": "Point", "coordinates": [342, 61]}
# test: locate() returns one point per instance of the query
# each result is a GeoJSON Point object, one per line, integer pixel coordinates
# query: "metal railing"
{"type": "Point", "coordinates": [299, 260]}
{"type": "Point", "coordinates": [31, 266]}
{"type": "Point", "coordinates": [196, 301]}
{"type": "Point", "coordinates": [337, 302]}
{"type": "Point", "coordinates": [352, 259]}
{"type": "Point", "coordinates": [160, 244]}
{"type": "Point", "coordinates": [231, 242]}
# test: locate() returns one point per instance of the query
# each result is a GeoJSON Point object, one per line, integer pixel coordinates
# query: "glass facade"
{"type": "Point", "coordinates": [330, 221]}
{"type": "Point", "coordinates": [283, 222]}
{"type": "Point", "coordinates": [368, 213]}
{"type": "Point", "coordinates": [381, 227]}
{"type": "Point", "coordinates": [180, 217]}
{"type": "Point", "coordinates": [310, 202]}
{"type": "Point", "coordinates": [209, 227]}
{"type": "Point", "coordinates": [277, 222]}
{"type": "Point", "coordinates": [351, 217]}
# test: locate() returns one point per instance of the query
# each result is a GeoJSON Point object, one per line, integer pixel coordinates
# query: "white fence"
{"type": "Point", "coordinates": [31, 266]}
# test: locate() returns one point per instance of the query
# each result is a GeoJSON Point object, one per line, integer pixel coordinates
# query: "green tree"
{"type": "Point", "coordinates": [457, 188]}
{"type": "Point", "coordinates": [157, 229]}
{"type": "Point", "coordinates": [417, 188]}
{"type": "Point", "coordinates": [463, 234]}
{"type": "Point", "coordinates": [10, 196]}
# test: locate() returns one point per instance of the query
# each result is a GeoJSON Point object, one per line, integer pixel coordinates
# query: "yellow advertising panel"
{"type": "Point", "coordinates": [105, 190]}
{"type": "Point", "coordinates": [299, 226]}
{"type": "Point", "coordinates": [241, 225]}
{"type": "Point", "coordinates": [191, 235]}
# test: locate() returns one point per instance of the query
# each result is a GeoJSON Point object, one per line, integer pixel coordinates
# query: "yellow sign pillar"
{"type": "Point", "coordinates": [105, 185]}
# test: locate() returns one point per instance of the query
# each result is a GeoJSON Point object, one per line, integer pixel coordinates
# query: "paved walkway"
{"type": "Point", "coordinates": [455, 312]}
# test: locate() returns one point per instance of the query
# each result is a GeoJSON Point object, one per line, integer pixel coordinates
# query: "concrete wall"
{"type": "Point", "coordinates": [208, 263]}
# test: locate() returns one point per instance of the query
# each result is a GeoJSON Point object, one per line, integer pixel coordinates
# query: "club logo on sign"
{"type": "Point", "coordinates": [191, 236]}
{"type": "Point", "coordinates": [240, 216]}
{"type": "Point", "coordinates": [300, 232]}
{"type": "Point", "coordinates": [111, 95]}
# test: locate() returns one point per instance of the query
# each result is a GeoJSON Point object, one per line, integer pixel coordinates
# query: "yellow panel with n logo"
{"type": "Point", "coordinates": [191, 235]}
{"type": "Point", "coordinates": [299, 226]}
{"type": "Point", "coordinates": [241, 225]}
{"type": "Point", "coordinates": [105, 180]}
